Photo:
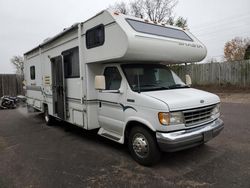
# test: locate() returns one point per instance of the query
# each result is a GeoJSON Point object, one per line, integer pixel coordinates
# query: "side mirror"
{"type": "Point", "coordinates": [188, 80]}
{"type": "Point", "coordinates": [100, 82]}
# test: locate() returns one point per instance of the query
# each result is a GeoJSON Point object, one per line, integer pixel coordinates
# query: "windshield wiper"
{"type": "Point", "coordinates": [177, 86]}
{"type": "Point", "coordinates": [152, 87]}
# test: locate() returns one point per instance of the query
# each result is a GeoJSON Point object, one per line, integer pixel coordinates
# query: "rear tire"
{"type": "Point", "coordinates": [48, 118]}
{"type": "Point", "coordinates": [143, 147]}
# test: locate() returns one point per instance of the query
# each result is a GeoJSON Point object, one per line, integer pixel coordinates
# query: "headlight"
{"type": "Point", "coordinates": [176, 118]}
{"type": "Point", "coordinates": [172, 118]}
{"type": "Point", "coordinates": [216, 109]}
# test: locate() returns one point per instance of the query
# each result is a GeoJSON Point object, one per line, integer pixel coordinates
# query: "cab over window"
{"type": "Point", "coordinates": [112, 78]}
{"type": "Point", "coordinates": [32, 73]}
{"type": "Point", "coordinates": [71, 63]}
{"type": "Point", "coordinates": [95, 37]}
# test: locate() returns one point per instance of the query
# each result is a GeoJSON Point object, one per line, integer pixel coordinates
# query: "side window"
{"type": "Point", "coordinates": [71, 63]}
{"type": "Point", "coordinates": [112, 78]}
{"type": "Point", "coordinates": [32, 73]}
{"type": "Point", "coordinates": [95, 36]}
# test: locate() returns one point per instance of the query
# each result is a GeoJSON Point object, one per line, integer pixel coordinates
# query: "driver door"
{"type": "Point", "coordinates": [110, 111]}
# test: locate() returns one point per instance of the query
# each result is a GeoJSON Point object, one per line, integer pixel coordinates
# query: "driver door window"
{"type": "Point", "coordinates": [112, 78]}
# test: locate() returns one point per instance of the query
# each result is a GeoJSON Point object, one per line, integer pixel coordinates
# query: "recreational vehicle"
{"type": "Point", "coordinates": [110, 73]}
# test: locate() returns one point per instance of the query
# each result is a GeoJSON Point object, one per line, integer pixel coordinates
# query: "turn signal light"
{"type": "Point", "coordinates": [164, 118]}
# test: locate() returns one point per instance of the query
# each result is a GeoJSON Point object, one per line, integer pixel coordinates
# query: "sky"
{"type": "Point", "coordinates": [26, 23]}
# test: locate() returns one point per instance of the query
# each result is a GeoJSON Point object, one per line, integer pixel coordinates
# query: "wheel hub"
{"type": "Point", "coordinates": [140, 145]}
{"type": "Point", "coordinates": [46, 118]}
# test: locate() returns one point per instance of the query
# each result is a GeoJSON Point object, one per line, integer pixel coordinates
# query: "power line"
{"type": "Point", "coordinates": [239, 26]}
{"type": "Point", "coordinates": [226, 28]}
{"type": "Point", "coordinates": [220, 21]}
{"type": "Point", "coordinates": [232, 31]}
{"type": "Point", "coordinates": [225, 34]}
{"type": "Point", "coordinates": [220, 30]}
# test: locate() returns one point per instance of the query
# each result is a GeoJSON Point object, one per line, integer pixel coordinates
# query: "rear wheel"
{"type": "Point", "coordinates": [48, 118]}
{"type": "Point", "coordinates": [143, 147]}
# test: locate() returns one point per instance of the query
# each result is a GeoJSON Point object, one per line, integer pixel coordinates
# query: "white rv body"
{"type": "Point", "coordinates": [74, 98]}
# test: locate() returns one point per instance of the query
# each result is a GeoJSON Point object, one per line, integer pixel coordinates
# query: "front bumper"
{"type": "Point", "coordinates": [184, 139]}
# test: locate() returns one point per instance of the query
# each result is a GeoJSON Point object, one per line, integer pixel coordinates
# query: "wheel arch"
{"type": "Point", "coordinates": [135, 122]}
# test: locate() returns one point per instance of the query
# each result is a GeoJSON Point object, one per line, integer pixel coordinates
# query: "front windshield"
{"type": "Point", "coordinates": [151, 77]}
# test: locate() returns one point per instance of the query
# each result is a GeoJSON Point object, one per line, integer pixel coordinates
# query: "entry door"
{"type": "Point", "coordinates": [111, 112]}
{"type": "Point", "coordinates": [58, 86]}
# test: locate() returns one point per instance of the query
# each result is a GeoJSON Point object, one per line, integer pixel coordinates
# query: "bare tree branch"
{"type": "Point", "coordinates": [235, 49]}
{"type": "Point", "coordinates": [154, 10]}
{"type": "Point", "coordinates": [137, 8]}
{"type": "Point", "coordinates": [121, 7]}
{"type": "Point", "coordinates": [18, 63]}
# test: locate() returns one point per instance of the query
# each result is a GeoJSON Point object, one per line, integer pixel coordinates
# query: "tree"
{"type": "Point", "coordinates": [18, 63]}
{"type": "Point", "coordinates": [234, 50]}
{"type": "Point", "coordinates": [154, 10]}
{"type": "Point", "coordinates": [247, 53]}
{"type": "Point", "coordinates": [181, 22]}
{"type": "Point", "coordinates": [121, 7]}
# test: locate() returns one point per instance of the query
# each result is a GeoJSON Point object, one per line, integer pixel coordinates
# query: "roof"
{"type": "Point", "coordinates": [54, 38]}
{"type": "Point", "coordinates": [60, 34]}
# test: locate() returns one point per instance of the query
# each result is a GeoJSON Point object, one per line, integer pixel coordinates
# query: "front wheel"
{"type": "Point", "coordinates": [143, 147]}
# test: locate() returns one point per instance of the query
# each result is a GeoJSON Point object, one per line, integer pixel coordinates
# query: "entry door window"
{"type": "Point", "coordinates": [71, 63]}
{"type": "Point", "coordinates": [113, 78]}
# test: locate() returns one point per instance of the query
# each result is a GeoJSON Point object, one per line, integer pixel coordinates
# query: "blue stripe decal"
{"type": "Point", "coordinates": [124, 108]}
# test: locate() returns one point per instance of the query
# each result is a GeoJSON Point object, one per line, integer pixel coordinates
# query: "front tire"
{"type": "Point", "coordinates": [143, 147]}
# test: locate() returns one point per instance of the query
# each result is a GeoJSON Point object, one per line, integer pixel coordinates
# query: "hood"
{"type": "Point", "coordinates": [184, 98]}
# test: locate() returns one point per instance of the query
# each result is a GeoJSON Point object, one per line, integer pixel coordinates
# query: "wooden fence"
{"type": "Point", "coordinates": [11, 84]}
{"type": "Point", "coordinates": [224, 74]}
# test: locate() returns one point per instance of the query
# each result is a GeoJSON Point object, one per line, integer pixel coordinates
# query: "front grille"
{"type": "Point", "coordinates": [198, 115]}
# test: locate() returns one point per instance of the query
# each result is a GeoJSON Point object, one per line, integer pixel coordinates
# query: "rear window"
{"type": "Point", "coordinates": [158, 30]}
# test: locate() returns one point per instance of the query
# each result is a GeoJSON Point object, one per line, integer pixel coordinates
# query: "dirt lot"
{"type": "Point", "coordinates": [35, 155]}
{"type": "Point", "coordinates": [230, 94]}
{"type": "Point", "coordinates": [243, 98]}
